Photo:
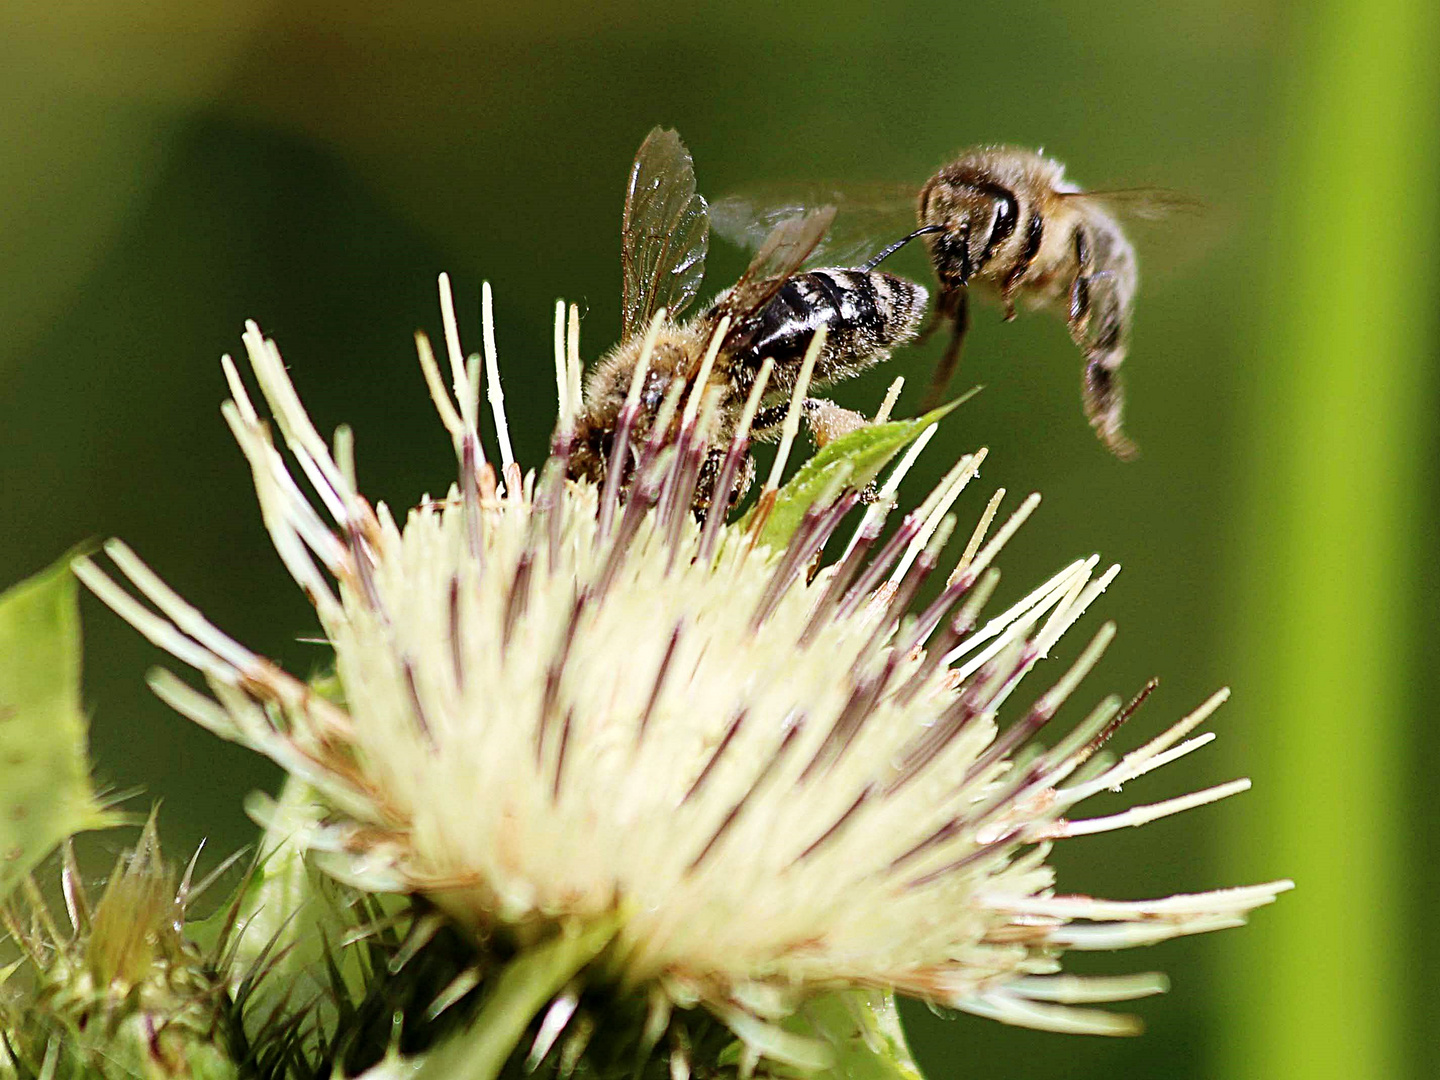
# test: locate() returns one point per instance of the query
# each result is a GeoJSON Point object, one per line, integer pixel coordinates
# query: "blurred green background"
{"type": "Point", "coordinates": [168, 170]}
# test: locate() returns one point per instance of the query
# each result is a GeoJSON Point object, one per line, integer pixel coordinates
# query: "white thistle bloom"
{"type": "Point", "coordinates": [560, 706]}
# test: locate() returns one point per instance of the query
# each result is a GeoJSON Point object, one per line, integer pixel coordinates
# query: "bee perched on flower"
{"type": "Point", "coordinates": [717, 767]}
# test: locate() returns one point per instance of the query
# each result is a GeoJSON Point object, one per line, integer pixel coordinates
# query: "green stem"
{"type": "Point", "coordinates": [1335, 468]}
{"type": "Point", "coordinates": [523, 988]}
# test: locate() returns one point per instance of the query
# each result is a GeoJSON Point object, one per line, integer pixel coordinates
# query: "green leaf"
{"type": "Point", "coordinates": [852, 460]}
{"type": "Point", "coordinates": [522, 989]}
{"type": "Point", "coordinates": [863, 1029]}
{"type": "Point", "coordinates": [45, 790]}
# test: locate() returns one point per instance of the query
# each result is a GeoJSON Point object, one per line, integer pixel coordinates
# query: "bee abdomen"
{"type": "Point", "coordinates": [865, 313]}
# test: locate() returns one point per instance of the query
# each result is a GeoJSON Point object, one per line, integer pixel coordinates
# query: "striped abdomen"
{"type": "Point", "coordinates": [866, 315]}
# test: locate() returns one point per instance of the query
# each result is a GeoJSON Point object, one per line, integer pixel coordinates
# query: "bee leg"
{"type": "Point", "coordinates": [1102, 392]}
{"type": "Point", "coordinates": [705, 501]}
{"type": "Point", "coordinates": [768, 422]}
{"type": "Point", "coordinates": [1080, 286]}
{"type": "Point", "coordinates": [829, 421]}
{"type": "Point", "coordinates": [931, 325]}
{"type": "Point", "coordinates": [1104, 397]}
{"type": "Point", "coordinates": [1097, 324]}
{"type": "Point", "coordinates": [957, 307]}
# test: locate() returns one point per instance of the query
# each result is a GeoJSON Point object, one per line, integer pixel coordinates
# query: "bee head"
{"type": "Point", "coordinates": [974, 216]}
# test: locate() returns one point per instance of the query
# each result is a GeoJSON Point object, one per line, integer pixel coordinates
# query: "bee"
{"type": "Point", "coordinates": [774, 310]}
{"type": "Point", "coordinates": [1006, 221]}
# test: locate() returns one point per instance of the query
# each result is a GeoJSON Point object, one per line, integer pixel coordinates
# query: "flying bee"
{"type": "Point", "coordinates": [773, 312]}
{"type": "Point", "coordinates": [1005, 221]}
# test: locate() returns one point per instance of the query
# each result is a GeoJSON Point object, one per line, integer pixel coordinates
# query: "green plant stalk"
{"type": "Point", "coordinates": [1335, 465]}
{"type": "Point", "coordinates": [519, 993]}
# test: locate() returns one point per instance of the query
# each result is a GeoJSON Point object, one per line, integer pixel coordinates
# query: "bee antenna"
{"type": "Point", "coordinates": [897, 245]}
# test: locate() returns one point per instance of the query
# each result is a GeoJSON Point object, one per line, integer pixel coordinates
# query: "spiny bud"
{"type": "Point", "coordinates": [121, 991]}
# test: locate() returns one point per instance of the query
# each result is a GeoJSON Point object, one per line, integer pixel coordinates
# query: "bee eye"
{"type": "Point", "coordinates": [1002, 227]}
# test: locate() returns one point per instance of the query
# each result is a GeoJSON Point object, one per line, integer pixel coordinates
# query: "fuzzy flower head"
{"type": "Point", "coordinates": [568, 703]}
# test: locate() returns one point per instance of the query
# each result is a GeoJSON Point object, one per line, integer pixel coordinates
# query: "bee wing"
{"type": "Point", "coordinates": [868, 216]}
{"type": "Point", "coordinates": [1143, 204]}
{"type": "Point", "coordinates": [1173, 230]}
{"type": "Point", "coordinates": [664, 234]}
{"type": "Point", "coordinates": [784, 251]}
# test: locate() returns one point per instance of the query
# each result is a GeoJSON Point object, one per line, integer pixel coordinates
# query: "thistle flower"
{"type": "Point", "coordinates": [564, 707]}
